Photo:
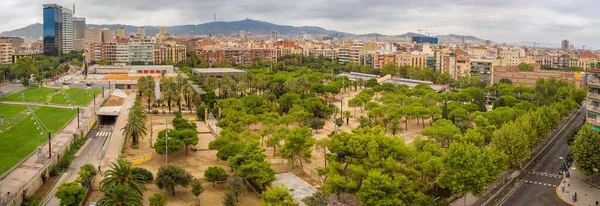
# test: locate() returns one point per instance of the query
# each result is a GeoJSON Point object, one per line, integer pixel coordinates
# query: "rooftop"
{"type": "Point", "coordinates": [412, 83]}
{"type": "Point", "coordinates": [218, 71]}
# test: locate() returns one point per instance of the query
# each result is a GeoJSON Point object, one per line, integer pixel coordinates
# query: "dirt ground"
{"type": "Point", "coordinates": [195, 163]}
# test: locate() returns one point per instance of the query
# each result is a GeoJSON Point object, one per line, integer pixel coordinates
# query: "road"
{"type": "Point", "coordinates": [536, 185]}
{"type": "Point", "coordinates": [89, 154]}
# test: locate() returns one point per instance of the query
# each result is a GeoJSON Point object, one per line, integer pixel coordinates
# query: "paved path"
{"type": "Point", "coordinates": [8, 89]}
{"type": "Point", "coordinates": [40, 104]}
{"type": "Point", "coordinates": [88, 154]}
{"type": "Point", "coordinates": [587, 194]}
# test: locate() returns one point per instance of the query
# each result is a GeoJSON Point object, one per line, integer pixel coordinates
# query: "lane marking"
{"type": "Point", "coordinates": [509, 194]}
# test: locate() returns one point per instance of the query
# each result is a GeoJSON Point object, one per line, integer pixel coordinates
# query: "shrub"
{"type": "Point", "coordinates": [154, 111]}
{"type": "Point", "coordinates": [146, 174]}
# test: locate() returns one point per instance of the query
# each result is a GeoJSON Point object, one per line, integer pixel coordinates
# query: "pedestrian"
{"type": "Point", "coordinates": [99, 170]}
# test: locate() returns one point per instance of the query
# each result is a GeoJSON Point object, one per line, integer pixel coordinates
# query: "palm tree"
{"type": "Point", "coordinates": [136, 123]}
{"type": "Point", "coordinates": [148, 90]}
{"type": "Point", "coordinates": [121, 173]}
{"type": "Point", "coordinates": [188, 95]}
{"type": "Point", "coordinates": [121, 195]}
{"type": "Point", "coordinates": [169, 93]}
{"type": "Point", "coordinates": [179, 84]}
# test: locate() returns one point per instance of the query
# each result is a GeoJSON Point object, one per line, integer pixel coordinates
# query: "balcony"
{"type": "Point", "coordinates": [594, 83]}
{"type": "Point", "coordinates": [595, 122]}
{"type": "Point", "coordinates": [595, 96]}
{"type": "Point", "coordinates": [594, 109]}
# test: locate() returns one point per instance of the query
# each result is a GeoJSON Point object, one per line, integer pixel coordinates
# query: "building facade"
{"type": "Point", "coordinates": [593, 108]}
{"type": "Point", "coordinates": [6, 51]}
{"type": "Point", "coordinates": [78, 33]}
{"type": "Point", "coordinates": [67, 30]}
{"type": "Point", "coordinates": [141, 50]}
{"type": "Point", "coordinates": [483, 69]}
{"type": "Point", "coordinates": [52, 29]}
{"type": "Point", "coordinates": [166, 52]}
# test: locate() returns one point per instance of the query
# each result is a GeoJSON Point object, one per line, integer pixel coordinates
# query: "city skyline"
{"type": "Point", "coordinates": [503, 22]}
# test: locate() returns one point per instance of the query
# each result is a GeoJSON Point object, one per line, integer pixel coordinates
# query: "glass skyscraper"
{"type": "Point", "coordinates": [52, 29]}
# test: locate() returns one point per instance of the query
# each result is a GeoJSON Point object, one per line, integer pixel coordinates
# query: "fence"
{"type": "Point", "coordinates": [140, 160]}
{"type": "Point", "coordinates": [313, 174]}
{"type": "Point", "coordinates": [277, 161]}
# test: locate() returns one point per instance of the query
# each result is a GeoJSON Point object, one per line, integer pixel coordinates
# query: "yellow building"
{"type": "Point", "coordinates": [169, 51]}
{"type": "Point", "coordinates": [121, 33]}
{"type": "Point", "coordinates": [411, 60]}
{"type": "Point", "coordinates": [162, 32]}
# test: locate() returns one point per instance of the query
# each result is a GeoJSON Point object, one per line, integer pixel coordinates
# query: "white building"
{"type": "Point", "coordinates": [122, 51]}
{"type": "Point", "coordinates": [141, 50]}
{"type": "Point", "coordinates": [67, 30]}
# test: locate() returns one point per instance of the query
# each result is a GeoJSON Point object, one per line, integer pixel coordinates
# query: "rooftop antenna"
{"type": "Point", "coordinates": [215, 18]}
{"type": "Point", "coordinates": [73, 8]}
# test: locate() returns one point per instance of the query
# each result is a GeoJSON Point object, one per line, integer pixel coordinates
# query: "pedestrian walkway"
{"type": "Point", "coordinates": [587, 195]}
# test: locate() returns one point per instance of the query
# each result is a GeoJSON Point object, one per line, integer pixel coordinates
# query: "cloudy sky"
{"type": "Point", "coordinates": [510, 21]}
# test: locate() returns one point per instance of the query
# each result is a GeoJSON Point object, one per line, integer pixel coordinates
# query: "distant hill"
{"type": "Point", "coordinates": [253, 27]}
{"type": "Point", "coordinates": [33, 31]}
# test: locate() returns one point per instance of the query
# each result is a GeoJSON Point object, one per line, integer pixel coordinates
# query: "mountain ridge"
{"type": "Point", "coordinates": [253, 27]}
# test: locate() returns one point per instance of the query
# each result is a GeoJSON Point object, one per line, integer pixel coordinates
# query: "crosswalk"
{"type": "Point", "coordinates": [103, 134]}
{"type": "Point", "coordinates": [545, 175]}
{"type": "Point", "coordinates": [539, 183]}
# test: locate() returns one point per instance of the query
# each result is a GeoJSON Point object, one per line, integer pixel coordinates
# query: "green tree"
{"type": "Point", "coordinates": [298, 145]}
{"type": "Point", "coordinates": [317, 199]}
{"type": "Point", "coordinates": [121, 173]}
{"type": "Point", "coordinates": [121, 195]}
{"type": "Point", "coordinates": [317, 124]}
{"type": "Point", "coordinates": [170, 145]}
{"type": "Point", "coordinates": [70, 194]}
{"type": "Point", "coordinates": [470, 169]}
{"type": "Point", "coordinates": [585, 149]}
{"type": "Point", "coordinates": [379, 189]}
{"type": "Point", "coordinates": [157, 199]}
{"type": "Point", "coordinates": [136, 123]}
{"type": "Point", "coordinates": [197, 189]}
{"type": "Point", "coordinates": [524, 67]}
{"type": "Point", "coordinates": [169, 176]}
{"type": "Point", "coordinates": [512, 141]}
{"type": "Point", "coordinates": [189, 137]}
{"type": "Point", "coordinates": [442, 129]}
{"type": "Point", "coordinates": [236, 185]}
{"type": "Point", "coordinates": [229, 199]}
{"type": "Point", "coordinates": [86, 172]}
{"type": "Point", "coordinates": [214, 174]}
{"type": "Point", "coordinates": [279, 134]}
{"type": "Point", "coordinates": [278, 195]}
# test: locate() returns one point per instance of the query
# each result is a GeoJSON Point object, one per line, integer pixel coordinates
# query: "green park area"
{"type": "Point", "coordinates": [78, 95]}
{"type": "Point", "coordinates": [54, 96]}
{"type": "Point", "coordinates": [22, 135]}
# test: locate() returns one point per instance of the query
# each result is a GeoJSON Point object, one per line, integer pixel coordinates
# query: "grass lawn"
{"type": "Point", "coordinates": [32, 94]}
{"type": "Point", "coordinates": [79, 96]}
{"type": "Point", "coordinates": [10, 110]}
{"type": "Point", "coordinates": [23, 138]}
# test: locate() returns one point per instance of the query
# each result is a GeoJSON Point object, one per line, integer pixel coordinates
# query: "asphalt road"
{"type": "Point", "coordinates": [537, 184]}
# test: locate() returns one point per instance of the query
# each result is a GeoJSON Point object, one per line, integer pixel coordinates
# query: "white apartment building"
{"type": "Point", "coordinates": [141, 50]}
{"type": "Point", "coordinates": [67, 30]}
{"type": "Point", "coordinates": [511, 56]}
{"type": "Point", "coordinates": [122, 51]}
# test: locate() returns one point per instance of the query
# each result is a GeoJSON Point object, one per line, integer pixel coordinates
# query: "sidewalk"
{"type": "Point", "coordinates": [587, 195]}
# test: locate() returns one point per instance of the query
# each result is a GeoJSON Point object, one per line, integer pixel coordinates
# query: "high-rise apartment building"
{"type": "Point", "coordinates": [121, 33]}
{"type": "Point", "coordinates": [91, 36]}
{"type": "Point", "coordinates": [565, 45]}
{"type": "Point", "coordinates": [78, 33]}
{"type": "Point", "coordinates": [6, 51]}
{"type": "Point", "coordinates": [67, 30]}
{"type": "Point", "coordinates": [484, 69]}
{"type": "Point", "coordinates": [162, 32]}
{"type": "Point", "coordinates": [593, 108]}
{"type": "Point", "coordinates": [107, 35]}
{"type": "Point", "coordinates": [52, 29]}
{"type": "Point", "coordinates": [141, 50]}
{"type": "Point", "coordinates": [243, 34]}
{"type": "Point", "coordinates": [122, 52]}
{"type": "Point", "coordinates": [142, 31]}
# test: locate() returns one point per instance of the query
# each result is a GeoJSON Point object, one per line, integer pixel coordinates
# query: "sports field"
{"type": "Point", "coordinates": [55, 96]}
{"type": "Point", "coordinates": [24, 137]}
{"type": "Point", "coordinates": [79, 96]}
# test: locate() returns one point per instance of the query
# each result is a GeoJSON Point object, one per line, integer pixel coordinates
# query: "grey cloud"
{"type": "Point", "coordinates": [499, 20]}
